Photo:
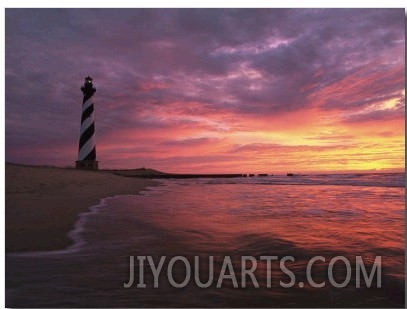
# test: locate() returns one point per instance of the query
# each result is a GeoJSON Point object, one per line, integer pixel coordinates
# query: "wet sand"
{"type": "Point", "coordinates": [191, 219]}
{"type": "Point", "coordinates": [43, 203]}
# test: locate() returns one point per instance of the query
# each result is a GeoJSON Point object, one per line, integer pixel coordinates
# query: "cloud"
{"type": "Point", "coordinates": [187, 142]}
{"type": "Point", "coordinates": [271, 147]}
{"type": "Point", "coordinates": [178, 76]}
{"type": "Point", "coordinates": [378, 115]}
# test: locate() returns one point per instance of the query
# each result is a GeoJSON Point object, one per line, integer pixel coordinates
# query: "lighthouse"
{"type": "Point", "coordinates": [87, 144]}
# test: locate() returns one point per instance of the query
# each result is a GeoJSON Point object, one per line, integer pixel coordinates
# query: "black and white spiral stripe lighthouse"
{"type": "Point", "coordinates": [87, 144]}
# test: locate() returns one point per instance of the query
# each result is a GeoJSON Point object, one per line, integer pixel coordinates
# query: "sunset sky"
{"type": "Point", "coordinates": [209, 90]}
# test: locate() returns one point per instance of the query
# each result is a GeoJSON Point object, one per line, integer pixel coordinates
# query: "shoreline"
{"type": "Point", "coordinates": [42, 204]}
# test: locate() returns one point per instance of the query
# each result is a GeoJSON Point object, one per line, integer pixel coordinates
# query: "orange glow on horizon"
{"type": "Point", "coordinates": [233, 91]}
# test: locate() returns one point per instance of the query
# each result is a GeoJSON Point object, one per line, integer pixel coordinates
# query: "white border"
{"type": "Point", "coordinates": [149, 4]}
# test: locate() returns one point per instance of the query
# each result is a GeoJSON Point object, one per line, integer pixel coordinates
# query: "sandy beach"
{"type": "Point", "coordinates": [43, 203]}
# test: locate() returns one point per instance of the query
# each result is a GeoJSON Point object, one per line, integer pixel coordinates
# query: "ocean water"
{"type": "Point", "coordinates": [300, 217]}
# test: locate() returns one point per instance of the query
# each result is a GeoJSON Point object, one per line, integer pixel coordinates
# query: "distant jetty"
{"type": "Point", "coordinates": [153, 174]}
{"type": "Point", "coordinates": [183, 176]}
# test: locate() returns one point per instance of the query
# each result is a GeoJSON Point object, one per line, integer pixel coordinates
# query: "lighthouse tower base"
{"type": "Point", "coordinates": [87, 165]}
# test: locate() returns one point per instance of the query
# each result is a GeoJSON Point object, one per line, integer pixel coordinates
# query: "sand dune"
{"type": "Point", "coordinates": [42, 203]}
